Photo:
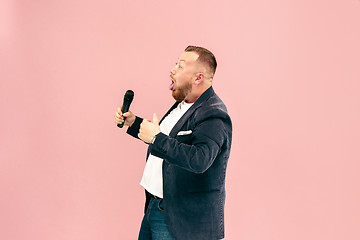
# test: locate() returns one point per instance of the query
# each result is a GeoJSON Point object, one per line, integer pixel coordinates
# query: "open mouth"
{"type": "Point", "coordinates": [172, 84]}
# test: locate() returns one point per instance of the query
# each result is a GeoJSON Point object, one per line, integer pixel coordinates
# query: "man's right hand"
{"type": "Point", "coordinates": [119, 117]}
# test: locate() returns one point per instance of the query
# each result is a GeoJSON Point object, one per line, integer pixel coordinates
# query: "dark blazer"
{"type": "Point", "coordinates": [194, 168]}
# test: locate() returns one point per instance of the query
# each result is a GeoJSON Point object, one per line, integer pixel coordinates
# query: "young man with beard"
{"type": "Point", "coordinates": [184, 175]}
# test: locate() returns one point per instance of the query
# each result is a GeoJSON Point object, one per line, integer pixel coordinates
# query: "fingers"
{"type": "Point", "coordinates": [143, 124]}
{"type": "Point", "coordinates": [144, 130]}
{"type": "Point", "coordinates": [118, 119]}
{"type": "Point", "coordinates": [119, 116]}
{"type": "Point", "coordinates": [141, 130]}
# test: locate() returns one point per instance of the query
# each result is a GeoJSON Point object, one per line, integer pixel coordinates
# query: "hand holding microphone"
{"type": "Point", "coordinates": [122, 119]}
{"type": "Point", "coordinates": [122, 115]}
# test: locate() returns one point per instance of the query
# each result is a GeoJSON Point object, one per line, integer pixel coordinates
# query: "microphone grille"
{"type": "Point", "coordinates": [129, 95]}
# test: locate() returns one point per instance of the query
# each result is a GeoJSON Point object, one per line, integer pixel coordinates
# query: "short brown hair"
{"type": "Point", "coordinates": [205, 56]}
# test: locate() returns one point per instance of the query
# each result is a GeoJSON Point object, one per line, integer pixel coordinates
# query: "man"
{"type": "Point", "coordinates": [184, 176]}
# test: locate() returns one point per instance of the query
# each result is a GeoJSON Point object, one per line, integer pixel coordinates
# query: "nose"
{"type": "Point", "coordinates": [172, 71]}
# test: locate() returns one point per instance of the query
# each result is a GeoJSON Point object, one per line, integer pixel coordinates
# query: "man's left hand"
{"type": "Point", "coordinates": [149, 129]}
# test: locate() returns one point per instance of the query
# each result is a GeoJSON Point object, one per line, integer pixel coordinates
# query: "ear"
{"type": "Point", "coordinates": [199, 78]}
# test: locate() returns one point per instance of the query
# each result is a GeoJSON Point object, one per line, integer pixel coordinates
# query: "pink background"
{"type": "Point", "coordinates": [288, 71]}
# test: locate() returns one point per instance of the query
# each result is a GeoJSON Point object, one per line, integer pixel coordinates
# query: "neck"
{"type": "Point", "coordinates": [192, 97]}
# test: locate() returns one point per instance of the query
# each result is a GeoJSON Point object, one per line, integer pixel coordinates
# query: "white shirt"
{"type": "Point", "coordinates": [152, 179]}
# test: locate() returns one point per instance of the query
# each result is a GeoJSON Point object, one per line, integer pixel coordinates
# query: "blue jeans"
{"type": "Point", "coordinates": [153, 225]}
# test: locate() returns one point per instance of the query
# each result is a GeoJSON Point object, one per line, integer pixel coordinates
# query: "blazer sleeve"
{"type": "Point", "coordinates": [135, 127]}
{"type": "Point", "coordinates": [208, 137]}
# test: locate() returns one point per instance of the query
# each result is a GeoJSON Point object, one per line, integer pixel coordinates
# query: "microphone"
{"type": "Point", "coordinates": [128, 97]}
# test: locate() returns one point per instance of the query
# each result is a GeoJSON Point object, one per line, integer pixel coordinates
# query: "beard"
{"type": "Point", "coordinates": [182, 91]}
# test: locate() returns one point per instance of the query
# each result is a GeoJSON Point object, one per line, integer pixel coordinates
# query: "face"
{"type": "Point", "coordinates": [183, 75]}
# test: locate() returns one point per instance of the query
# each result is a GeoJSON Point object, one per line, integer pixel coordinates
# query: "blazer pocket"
{"type": "Point", "coordinates": [185, 136]}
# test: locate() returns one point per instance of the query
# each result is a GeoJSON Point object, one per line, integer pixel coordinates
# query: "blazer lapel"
{"type": "Point", "coordinates": [204, 97]}
{"type": "Point", "coordinates": [168, 112]}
